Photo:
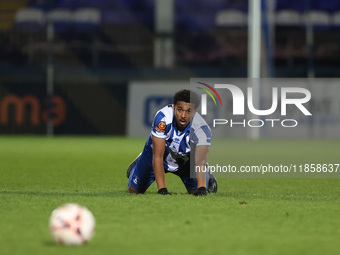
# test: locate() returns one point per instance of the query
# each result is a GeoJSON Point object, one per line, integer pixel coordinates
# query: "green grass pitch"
{"type": "Point", "coordinates": [247, 216]}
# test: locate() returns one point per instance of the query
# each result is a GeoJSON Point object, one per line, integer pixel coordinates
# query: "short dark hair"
{"type": "Point", "coordinates": [187, 96]}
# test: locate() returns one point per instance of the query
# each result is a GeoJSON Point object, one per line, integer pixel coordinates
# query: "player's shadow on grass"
{"type": "Point", "coordinates": [67, 193]}
{"type": "Point", "coordinates": [49, 243]}
{"type": "Point", "coordinates": [110, 193]}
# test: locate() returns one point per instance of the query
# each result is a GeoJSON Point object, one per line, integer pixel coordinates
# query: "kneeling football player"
{"type": "Point", "coordinates": [178, 132]}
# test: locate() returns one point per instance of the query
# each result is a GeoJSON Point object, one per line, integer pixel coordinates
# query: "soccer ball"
{"type": "Point", "coordinates": [72, 224]}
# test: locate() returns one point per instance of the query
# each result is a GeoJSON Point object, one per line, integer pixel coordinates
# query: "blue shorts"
{"type": "Point", "coordinates": [142, 175]}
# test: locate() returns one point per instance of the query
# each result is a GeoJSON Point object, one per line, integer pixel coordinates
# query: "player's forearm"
{"type": "Point", "coordinates": [158, 169]}
{"type": "Point", "coordinates": [201, 182]}
{"type": "Point", "coordinates": [201, 156]}
{"type": "Point", "coordinates": [201, 175]}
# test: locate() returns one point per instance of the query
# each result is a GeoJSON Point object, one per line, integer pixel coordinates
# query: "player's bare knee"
{"type": "Point", "coordinates": [191, 191]}
{"type": "Point", "coordinates": [132, 190]}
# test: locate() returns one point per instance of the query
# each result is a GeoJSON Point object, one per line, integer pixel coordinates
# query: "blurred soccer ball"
{"type": "Point", "coordinates": [72, 224]}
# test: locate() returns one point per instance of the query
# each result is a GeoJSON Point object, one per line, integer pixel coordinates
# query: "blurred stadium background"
{"type": "Point", "coordinates": [86, 67]}
{"type": "Point", "coordinates": [73, 60]}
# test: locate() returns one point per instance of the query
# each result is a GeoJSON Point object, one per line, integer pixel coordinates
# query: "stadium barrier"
{"type": "Point", "coordinates": [75, 109]}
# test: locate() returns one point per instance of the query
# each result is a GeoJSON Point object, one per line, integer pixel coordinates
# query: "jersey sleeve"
{"type": "Point", "coordinates": [160, 127]}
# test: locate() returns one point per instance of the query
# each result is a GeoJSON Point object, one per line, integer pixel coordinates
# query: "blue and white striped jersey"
{"type": "Point", "coordinates": [178, 144]}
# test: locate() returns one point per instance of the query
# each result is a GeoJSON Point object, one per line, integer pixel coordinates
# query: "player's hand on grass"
{"type": "Point", "coordinates": [202, 191]}
{"type": "Point", "coordinates": [164, 191]}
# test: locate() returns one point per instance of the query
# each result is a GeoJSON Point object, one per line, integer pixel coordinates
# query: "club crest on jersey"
{"type": "Point", "coordinates": [176, 140]}
{"type": "Point", "coordinates": [161, 126]}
